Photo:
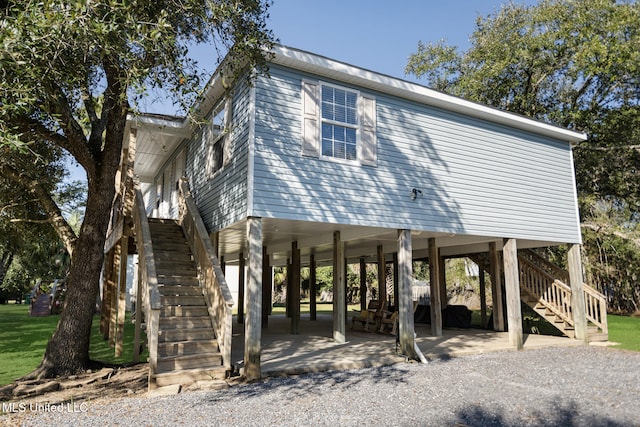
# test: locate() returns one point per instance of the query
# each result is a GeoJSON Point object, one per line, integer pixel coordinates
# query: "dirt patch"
{"type": "Point", "coordinates": [105, 383]}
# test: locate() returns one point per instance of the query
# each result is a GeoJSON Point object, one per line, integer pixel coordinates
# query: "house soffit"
{"type": "Point", "coordinates": [156, 139]}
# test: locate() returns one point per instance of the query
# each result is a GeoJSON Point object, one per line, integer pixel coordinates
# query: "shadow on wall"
{"type": "Point", "coordinates": [289, 185]}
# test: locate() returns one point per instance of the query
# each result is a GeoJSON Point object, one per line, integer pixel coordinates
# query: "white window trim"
{"type": "Point", "coordinates": [225, 103]}
{"type": "Point", "coordinates": [357, 126]}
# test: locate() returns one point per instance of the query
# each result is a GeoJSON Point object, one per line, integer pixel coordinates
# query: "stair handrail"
{"type": "Point", "coordinates": [554, 294]}
{"type": "Point", "coordinates": [147, 280]}
{"type": "Point", "coordinates": [214, 284]}
{"type": "Point", "coordinates": [546, 265]}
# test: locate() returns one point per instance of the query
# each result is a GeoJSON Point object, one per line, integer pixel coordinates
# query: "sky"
{"type": "Point", "coordinates": [378, 35]}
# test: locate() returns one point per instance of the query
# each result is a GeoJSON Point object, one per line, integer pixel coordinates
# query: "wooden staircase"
{"type": "Point", "coordinates": [187, 347]}
{"type": "Point", "coordinates": [544, 287]}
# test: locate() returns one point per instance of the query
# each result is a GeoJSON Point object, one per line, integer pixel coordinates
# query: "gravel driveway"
{"type": "Point", "coordinates": [578, 386]}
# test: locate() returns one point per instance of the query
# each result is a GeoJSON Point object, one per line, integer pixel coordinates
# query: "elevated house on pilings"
{"type": "Point", "coordinates": [322, 162]}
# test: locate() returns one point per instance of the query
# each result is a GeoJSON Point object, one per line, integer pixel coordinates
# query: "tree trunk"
{"type": "Point", "coordinates": [67, 352]}
{"type": "Point", "coordinates": [5, 263]}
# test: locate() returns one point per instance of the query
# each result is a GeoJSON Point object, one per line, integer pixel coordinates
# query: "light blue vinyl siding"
{"type": "Point", "coordinates": [476, 177]}
{"type": "Point", "coordinates": [222, 200]}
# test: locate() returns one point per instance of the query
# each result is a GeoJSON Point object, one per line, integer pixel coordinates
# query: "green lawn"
{"type": "Point", "coordinates": [624, 330]}
{"type": "Point", "coordinates": [24, 338]}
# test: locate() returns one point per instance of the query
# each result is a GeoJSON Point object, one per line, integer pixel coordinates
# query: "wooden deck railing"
{"type": "Point", "coordinates": [148, 282]}
{"type": "Point", "coordinates": [216, 291]}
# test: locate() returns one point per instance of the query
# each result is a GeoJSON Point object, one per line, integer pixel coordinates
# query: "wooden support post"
{"type": "Point", "coordinates": [346, 289]}
{"type": "Point", "coordinates": [241, 286]}
{"type": "Point", "coordinates": [253, 327]}
{"type": "Point", "coordinates": [295, 289]}
{"type": "Point", "coordinates": [113, 283]}
{"type": "Point", "coordinates": [138, 315]}
{"type": "Point", "coordinates": [313, 287]}
{"type": "Point", "coordinates": [512, 289]}
{"type": "Point", "coordinates": [404, 297]}
{"type": "Point", "coordinates": [215, 242]}
{"type": "Point", "coordinates": [496, 288]}
{"type": "Point", "coordinates": [287, 295]}
{"type": "Point", "coordinates": [442, 269]}
{"type": "Point", "coordinates": [483, 298]}
{"type": "Point", "coordinates": [434, 279]}
{"type": "Point", "coordinates": [363, 284]}
{"type": "Point", "coordinates": [382, 275]}
{"type": "Point", "coordinates": [339, 286]}
{"type": "Point", "coordinates": [577, 294]}
{"type": "Point", "coordinates": [122, 295]}
{"type": "Point", "coordinates": [107, 289]}
{"type": "Point", "coordinates": [396, 279]}
{"type": "Point", "coordinates": [267, 284]}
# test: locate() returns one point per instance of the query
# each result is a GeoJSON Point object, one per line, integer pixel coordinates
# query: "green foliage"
{"type": "Point", "coordinates": [574, 64]}
{"type": "Point", "coordinates": [71, 71]}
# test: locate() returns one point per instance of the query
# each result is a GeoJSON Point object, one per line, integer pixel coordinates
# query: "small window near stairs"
{"type": "Point", "coordinates": [216, 134]}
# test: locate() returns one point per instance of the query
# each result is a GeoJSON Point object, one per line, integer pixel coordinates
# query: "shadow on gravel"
{"type": "Point", "coordinates": [559, 415]}
{"type": "Point", "coordinates": [301, 385]}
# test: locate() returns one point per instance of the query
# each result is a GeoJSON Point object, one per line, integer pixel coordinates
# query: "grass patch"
{"type": "Point", "coordinates": [23, 340]}
{"type": "Point", "coordinates": [321, 308]}
{"type": "Point", "coordinates": [624, 330]}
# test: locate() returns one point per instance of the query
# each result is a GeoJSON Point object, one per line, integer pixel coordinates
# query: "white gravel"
{"type": "Point", "coordinates": [578, 386]}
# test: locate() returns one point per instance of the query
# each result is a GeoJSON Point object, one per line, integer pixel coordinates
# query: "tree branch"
{"type": "Point", "coordinates": [603, 228]}
{"type": "Point", "coordinates": [60, 225]}
{"type": "Point", "coordinates": [31, 221]}
{"type": "Point", "coordinates": [77, 140]}
{"type": "Point", "coordinates": [37, 129]}
{"type": "Point", "coordinates": [618, 147]}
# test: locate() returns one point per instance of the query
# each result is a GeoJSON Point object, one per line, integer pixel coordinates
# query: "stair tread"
{"type": "Point", "coordinates": [219, 370]}
{"type": "Point", "coordinates": [201, 355]}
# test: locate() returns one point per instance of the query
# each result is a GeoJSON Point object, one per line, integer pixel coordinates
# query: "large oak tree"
{"type": "Point", "coordinates": [71, 71]}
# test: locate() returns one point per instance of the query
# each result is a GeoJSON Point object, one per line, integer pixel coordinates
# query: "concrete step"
{"type": "Point", "coordinates": [190, 361]}
{"type": "Point", "coordinates": [189, 376]}
{"type": "Point", "coordinates": [598, 337]}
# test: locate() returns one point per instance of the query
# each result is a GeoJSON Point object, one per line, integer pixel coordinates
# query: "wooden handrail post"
{"type": "Point", "coordinates": [577, 293]}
